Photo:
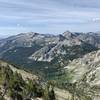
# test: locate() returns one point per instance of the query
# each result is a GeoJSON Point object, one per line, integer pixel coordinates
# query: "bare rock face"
{"type": "Point", "coordinates": [86, 71]}
{"type": "Point", "coordinates": [91, 38]}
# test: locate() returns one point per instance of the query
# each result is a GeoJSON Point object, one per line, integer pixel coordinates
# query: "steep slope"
{"type": "Point", "coordinates": [17, 84]}
{"type": "Point", "coordinates": [13, 81]}
{"type": "Point", "coordinates": [91, 38]}
{"type": "Point", "coordinates": [85, 76]}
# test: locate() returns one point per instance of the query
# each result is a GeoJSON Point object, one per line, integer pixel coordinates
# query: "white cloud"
{"type": "Point", "coordinates": [45, 15]}
{"type": "Point", "coordinates": [96, 19]}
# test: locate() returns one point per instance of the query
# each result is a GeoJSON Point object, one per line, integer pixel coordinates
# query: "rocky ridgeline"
{"type": "Point", "coordinates": [49, 46]}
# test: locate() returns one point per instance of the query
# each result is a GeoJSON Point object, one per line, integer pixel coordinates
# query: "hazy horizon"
{"type": "Point", "coordinates": [2, 36]}
{"type": "Point", "coordinates": [48, 16]}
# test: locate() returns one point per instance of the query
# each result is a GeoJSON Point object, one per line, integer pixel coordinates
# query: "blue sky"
{"type": "Point", "coordinates": [48, 16]}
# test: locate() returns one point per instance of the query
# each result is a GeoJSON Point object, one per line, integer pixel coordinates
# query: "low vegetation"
{"type": "Point", "coordinates": [13, 86]}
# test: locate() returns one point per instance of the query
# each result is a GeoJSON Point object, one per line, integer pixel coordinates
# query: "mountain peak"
{"type": "Point", "coordinates": [68, 34]}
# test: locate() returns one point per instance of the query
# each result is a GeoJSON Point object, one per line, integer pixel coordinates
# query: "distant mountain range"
{"type": "Point", "coordinates": [41, 51]}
